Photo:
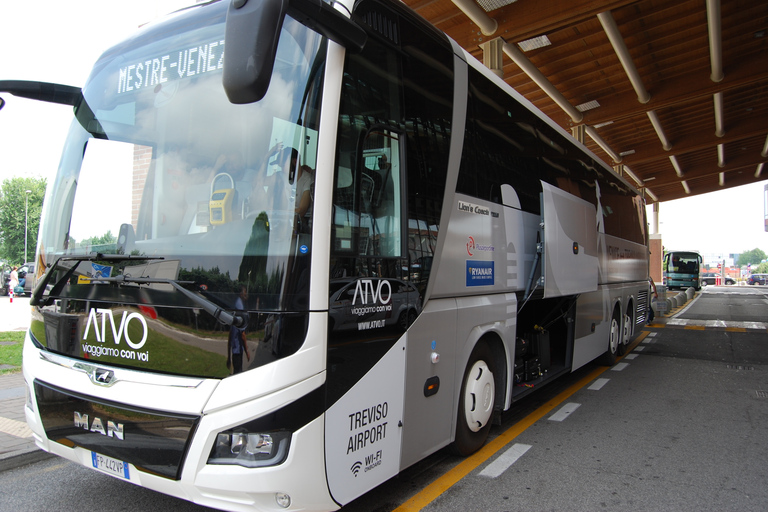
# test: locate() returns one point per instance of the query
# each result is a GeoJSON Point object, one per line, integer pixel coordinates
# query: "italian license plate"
{"type": "Point", "coordinates": [109, 465]}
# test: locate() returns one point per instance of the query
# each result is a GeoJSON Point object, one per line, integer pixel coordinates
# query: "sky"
{"type": "Point", "coordinates": [58, 41]}
{"type": "Point", "coordinates": [718, 224]}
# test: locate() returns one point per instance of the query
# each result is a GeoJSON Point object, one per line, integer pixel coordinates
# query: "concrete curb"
{"type": "Point", "coordinates": [24, 458]}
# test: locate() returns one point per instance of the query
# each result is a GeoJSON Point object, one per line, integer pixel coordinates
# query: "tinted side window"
{"type": "Point", "coordinates": [504, 142]}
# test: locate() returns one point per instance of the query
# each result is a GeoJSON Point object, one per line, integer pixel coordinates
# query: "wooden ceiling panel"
{"type": "Point", "coordinates": [669, 45]}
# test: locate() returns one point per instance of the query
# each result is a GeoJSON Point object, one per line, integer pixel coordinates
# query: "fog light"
{"type": "Point", "coordinates": [282, 499]}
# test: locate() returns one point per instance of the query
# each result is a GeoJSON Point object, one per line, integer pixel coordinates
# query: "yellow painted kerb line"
{"type": "Point", "coordinates": [465, 467]}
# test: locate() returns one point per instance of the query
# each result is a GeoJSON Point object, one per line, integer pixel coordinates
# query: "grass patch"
{"type": "Point", "coordinates": [163, 354]}
{"type": "Point", "coordinates": [11, 354]}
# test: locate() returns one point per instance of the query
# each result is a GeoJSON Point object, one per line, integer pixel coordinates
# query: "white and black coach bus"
{"type": "Point", "coordinates": [293, 248]}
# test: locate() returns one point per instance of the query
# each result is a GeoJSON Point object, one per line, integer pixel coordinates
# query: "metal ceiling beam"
{"type": "Point", "coordinates": [523, 20]}
{"type": "Point", "coordinates": [676, 166]}
{"type": "Point", "coordinates": [603, 145]}
{"type": "Point", "coordinates": [738, 164]}
{"type": "Point", "coordinates": [617, 42]}
{"type": "Point", "coordinates": [672, 192]}
{"type": "Point", "coordinates": [702, 185]}
{"type": "Point", "coordinates": [714, 25]}
{"type": "Point", "coordinates": [479, 17]}
{"type": "Point", "coordinates": [719, 123]}
{"type": "Point", "coordinates": [542, 81]}
{"type": "Point", "coordinates": [703, 138]}
{"type": "Point", "coordinates": [678, 91]}
{"type": "Point", "coordinates": [659, 130]}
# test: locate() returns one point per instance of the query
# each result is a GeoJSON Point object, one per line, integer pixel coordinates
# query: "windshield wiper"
{"type": "Point", "coordinates": [37, 298]}
{"type": "Point", "coordinates": [225, 317]}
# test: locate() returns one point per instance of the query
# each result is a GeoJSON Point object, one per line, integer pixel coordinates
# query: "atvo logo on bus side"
{"type": "Point", "coordinates": [380, 294]}
{"type": "Point", "coordinates": [377, 293]}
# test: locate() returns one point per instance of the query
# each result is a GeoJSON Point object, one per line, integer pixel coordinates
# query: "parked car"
{"type": "Point", "coordinates": [27, 272]}
{"type": "Point", "coordinates": [372, 303]}
{"type": "Point", "coordinates": [757, 278]}
{"type": "Point", "coordinates": [708, 278]}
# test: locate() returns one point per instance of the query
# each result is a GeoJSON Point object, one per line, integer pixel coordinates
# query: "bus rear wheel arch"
{"type": "Point", "coordinates": [477, 400]}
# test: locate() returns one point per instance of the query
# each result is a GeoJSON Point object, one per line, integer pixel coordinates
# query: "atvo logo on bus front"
{"type": "Point", "coordinates": [117, 335]}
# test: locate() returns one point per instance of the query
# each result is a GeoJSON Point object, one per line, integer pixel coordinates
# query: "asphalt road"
{"type": "Point", "coordinates": [679, 424]}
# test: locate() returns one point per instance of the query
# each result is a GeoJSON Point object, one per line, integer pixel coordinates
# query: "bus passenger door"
{"type": "Point", "coordinates": [372, 302]}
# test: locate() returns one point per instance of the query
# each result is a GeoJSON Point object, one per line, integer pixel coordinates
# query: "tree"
{"type": "Point", "coordinates": [105, 239]}
{"type": "Point", "coordinates": [13, 196]}
{"type": "Point", "coordinates": [753, 257]}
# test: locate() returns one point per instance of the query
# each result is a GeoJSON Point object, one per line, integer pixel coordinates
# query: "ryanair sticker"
{"type": "Point", "coordinates": [479, 273]}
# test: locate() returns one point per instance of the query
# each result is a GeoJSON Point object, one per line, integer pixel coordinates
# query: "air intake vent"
{"type": "Point", "coordinates": [492, 5]}
{"type": "Point", "coordinates": [383, 25]}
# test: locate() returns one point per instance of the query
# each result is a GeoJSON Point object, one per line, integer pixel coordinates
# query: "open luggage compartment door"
{"type": "Point", "coordinates": [570, 260]}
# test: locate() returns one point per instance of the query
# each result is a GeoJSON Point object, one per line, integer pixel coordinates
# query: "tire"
{"type": "Point", "coordinates": [626, 333]}
{"type": "Point", "coordinates": [614, 340]}
{"type": "Point", "coordinates": [476, 401]}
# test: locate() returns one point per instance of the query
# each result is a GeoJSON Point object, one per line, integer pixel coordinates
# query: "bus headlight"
{"type": "Point", "coordinates": [250, 449]}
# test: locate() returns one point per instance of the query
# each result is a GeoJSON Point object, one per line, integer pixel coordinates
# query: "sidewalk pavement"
{"type": "Point", "coordinates": [17, 446]}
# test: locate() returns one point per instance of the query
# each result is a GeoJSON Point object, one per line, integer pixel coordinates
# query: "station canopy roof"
{"type": "Point", "coordinates": [671, 93]}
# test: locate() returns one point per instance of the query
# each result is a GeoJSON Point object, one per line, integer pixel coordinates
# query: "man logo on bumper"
{"type": "Point", "coordinates": [113, 429]}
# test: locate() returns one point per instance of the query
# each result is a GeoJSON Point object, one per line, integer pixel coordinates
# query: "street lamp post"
{"type": "Point", "coordinates": [26, 216]}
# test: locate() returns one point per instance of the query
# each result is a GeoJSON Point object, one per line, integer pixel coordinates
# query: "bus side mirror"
{"type": "Point", "coordinates": [2, 103]}
{"type": "Point", "coordinates": [253, 31]}
{"type": "Point", "coordinates": [251, 36]}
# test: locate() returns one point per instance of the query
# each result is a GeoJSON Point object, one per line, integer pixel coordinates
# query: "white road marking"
{"type": "Point", "coordinates": [564, 411]}
{"type": "Point", "coordinates": [505, 460]}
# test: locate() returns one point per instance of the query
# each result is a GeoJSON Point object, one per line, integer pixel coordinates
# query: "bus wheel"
{"type": "Point", "coordinates": [614, 340]}
{"type": "Point", "coordinates": [626, 334]}
{"type": "Point", "coordinates": [476, 401]}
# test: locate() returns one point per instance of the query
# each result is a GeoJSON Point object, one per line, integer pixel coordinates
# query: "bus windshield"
{"type": "Point", "coordinates": [158, 164]}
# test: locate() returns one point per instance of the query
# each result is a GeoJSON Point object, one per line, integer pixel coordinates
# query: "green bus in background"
{"type": "Point", "coordinates": [682, 269]}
